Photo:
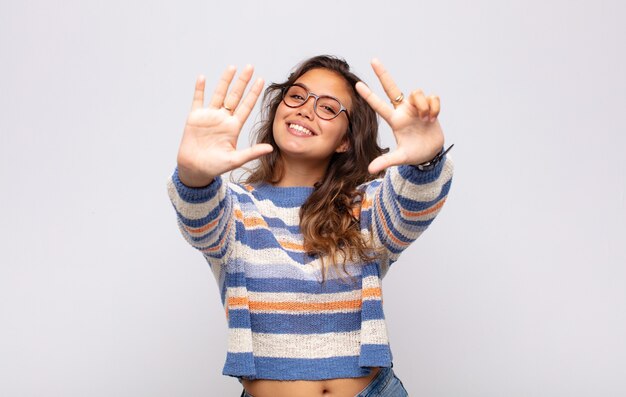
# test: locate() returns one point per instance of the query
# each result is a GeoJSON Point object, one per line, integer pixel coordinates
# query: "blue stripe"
{"type": "Point", "coordinates": [238, 318]}
{"type": "Point", "coordinates": [387, 221]}
{"type": "Point", "coordinates": [285, 197]}
{"type": "Point", "coordinates": [196, 195]}
{"type": "Point", "coordinates": [413, 205]}
{"type": "Point", "coordinates": [304, 286]}
{"type": "Point", "coordinates": [235, 279]}
{"type": "Point", "coordinates": [421, 177]}
{"type": "Point", "coordinates": [239, 364]}
{"type": "Point", "coordinates": [310, 369]}
{"type": "Point", "coordinates": [212, 215]}
{"type": "Point", "coordinates": [372, 310]}
{"type": "Point", "coordinates": [220, 226]}
{"type": "Point", "coordinates": [375, 356]}
{"type": "Point", "coordinates": [371, 269]}
{"type": "Point", "coordinates": [384, 238]}
{"type": "Point", "coordinates": [257, 239]}
{"type": "Point", "coordinates": [305, 324]}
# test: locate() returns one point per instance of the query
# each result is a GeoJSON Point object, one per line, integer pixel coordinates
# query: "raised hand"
{"type": "Point", "coordinates": [209, 144]}
{"type": "Point", "coordinates": [413, 121]}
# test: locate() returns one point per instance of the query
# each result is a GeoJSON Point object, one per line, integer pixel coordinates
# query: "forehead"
{"type": "Point", "coordinates": [327, 82]}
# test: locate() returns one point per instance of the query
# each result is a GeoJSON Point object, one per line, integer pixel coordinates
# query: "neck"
{"type": "Point", "coordinates": [298, 172]}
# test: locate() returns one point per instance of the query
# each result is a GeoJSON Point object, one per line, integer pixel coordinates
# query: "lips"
{"type": "Point", "coordinates": [300, 130]}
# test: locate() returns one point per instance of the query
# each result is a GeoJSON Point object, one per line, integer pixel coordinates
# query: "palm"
{"type": "Point", "coordinates": [418, 135]}
{"type": "Point", "coordinates": [209, 144]}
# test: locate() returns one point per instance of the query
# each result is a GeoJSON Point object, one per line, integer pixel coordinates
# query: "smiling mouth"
{"type": "Point", "coordinates": [300, 130]}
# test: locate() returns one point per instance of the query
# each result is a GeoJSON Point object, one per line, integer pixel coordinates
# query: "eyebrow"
{"type": "Point", "coordinates": [308, 89]}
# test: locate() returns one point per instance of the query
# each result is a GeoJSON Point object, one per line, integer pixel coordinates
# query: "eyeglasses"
{"type": "Point", "coordinates": [325, 107]}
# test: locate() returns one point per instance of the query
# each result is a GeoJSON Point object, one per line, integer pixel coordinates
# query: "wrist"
{"type": "Point", "coordinates": [430, 164]}
{"type": "Point", "coordinates": [192, 180]}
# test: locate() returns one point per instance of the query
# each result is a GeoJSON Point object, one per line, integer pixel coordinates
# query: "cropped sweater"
{"type": "Point", "coordinates": [284, 323]}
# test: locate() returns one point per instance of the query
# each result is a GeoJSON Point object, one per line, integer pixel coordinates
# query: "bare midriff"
{"type": "Point", "coordinates": [343, 387]}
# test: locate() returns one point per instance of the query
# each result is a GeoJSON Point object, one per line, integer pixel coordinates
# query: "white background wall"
{"type": "Point", "coordinates": [518, 288]}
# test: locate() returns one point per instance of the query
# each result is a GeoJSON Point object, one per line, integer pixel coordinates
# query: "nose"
{"type": "Point", "coordinates": [307, 109]}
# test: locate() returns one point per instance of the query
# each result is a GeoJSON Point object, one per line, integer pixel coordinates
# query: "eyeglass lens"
{"type": "Point", "coordinates": [325, 107]}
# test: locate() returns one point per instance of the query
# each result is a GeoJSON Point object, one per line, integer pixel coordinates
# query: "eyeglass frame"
{"type": "Point", "coordinates": [309, 94]}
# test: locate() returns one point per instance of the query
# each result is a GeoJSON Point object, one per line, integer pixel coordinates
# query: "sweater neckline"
{"type": "Point", "coordinates": [285, 196]}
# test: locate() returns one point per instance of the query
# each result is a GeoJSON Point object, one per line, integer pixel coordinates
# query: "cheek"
{"type": "Point", "coordinates": [280, 115]}
{"type": "Point", "coordinates": [339, 130]}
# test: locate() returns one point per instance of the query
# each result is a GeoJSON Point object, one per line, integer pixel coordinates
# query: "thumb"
{"type": "Point", "coordinates": [252, 153]}
{"type": "Point", "coordinates": [385, 161]}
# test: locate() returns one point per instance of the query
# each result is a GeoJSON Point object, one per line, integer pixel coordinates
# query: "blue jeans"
{"type": "Point", "coordinates": [384, 384]}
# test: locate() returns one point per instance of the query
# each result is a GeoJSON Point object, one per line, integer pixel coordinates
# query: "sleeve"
{"type": "Point", "coordinates": [400, 206]}
{"type": "Point", "coordinates": [205, 216]}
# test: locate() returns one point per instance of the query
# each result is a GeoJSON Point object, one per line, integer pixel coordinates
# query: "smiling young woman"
{"type": "Point", "coordinates": [300, 248]}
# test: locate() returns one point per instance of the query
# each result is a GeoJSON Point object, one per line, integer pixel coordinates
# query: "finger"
{"type": "Point", "coordinates": [381, 107]}
{"type": "Point", "coordinates": [244, 109]}
{"type": "Point", "coordinates": [418, 100]}
{"type": "Point", "coordinates": [198, 94]}
{"type": "Point", "coordinates": [252, 153]}
{"type": "Point", "coordinates": [435, 106]}
{"type": "Point", "coordinates": [235, 94]}
{"type": "Point", "coordinates": [386, 160]}
{"type": "Point", "coordinates": [390, 87]}
{"type": "Point", "coordinates": [217, 100]}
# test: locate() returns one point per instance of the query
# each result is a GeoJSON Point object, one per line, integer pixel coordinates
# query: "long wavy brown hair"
{"type": "Point", "coordinates": [329, 217]}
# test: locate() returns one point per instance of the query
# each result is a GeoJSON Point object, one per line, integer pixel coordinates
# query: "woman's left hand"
{"type": "Point", "coordinates": [413, 121]}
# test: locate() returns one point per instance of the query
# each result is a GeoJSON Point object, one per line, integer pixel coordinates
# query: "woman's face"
{"type": "Point", "coordinates": [300, 133]}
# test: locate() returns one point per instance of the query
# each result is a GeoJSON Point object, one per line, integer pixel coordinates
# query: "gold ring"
{"type": "Point", "coordinates": [227, 108]}
{"type": "Point", "coordinates": [398, 99]}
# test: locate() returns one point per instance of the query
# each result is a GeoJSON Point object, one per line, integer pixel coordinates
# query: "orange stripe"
{"type": "Point", "coordinates": [434, 208]}
{"type": "Point", "coordinates": [238, 214]}
{"type": "Point", "coordinates": [386, 228]}
{"type": "Point", "coordinates": [372, 292]}
{"type": "Point", "coordinates": [292, 246]}
{"type": "Point", "coordinates": [251, 222]}
{"type": "Point", "coordinates": [206, 227]}
{"type": "Point", "coordinates": [221, 243]}
{"type": "Point", "coordinates": [305, 306]}
{"type": "Point", "coordinates": [367, 203]}
{"type": "Point", "coordinates": [237, 301]}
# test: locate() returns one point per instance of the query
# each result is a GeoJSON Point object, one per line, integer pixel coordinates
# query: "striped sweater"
{"type": "Point", "coordinates": [284, 323]}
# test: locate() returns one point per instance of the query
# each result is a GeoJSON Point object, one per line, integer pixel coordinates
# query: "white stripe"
{"type": "Point", "coordinates": [307, 346]}
{"type": "Point", "coordinates": [299, 297]}
{"type": "Point", "coordinates": [276, 263]}
{"type": "Point", "coordinates": [423, 192]}
{"type": "Point", "coordinates": [371, 282]}
{"type": "Point", "coordinates": [236, 292]}
{"type": "Point", "coordinates": [374, 332]}
{"type": "Point", "coordinates": [239, 340]}
{"type": "Point", "coordinates": [193, 210]}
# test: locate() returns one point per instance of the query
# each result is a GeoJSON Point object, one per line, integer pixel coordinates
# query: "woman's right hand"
{"type": "Point", "coordinates": [209, 144]}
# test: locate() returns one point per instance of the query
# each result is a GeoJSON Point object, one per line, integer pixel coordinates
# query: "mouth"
{"type": "Point", "coordinates": [299, 130]}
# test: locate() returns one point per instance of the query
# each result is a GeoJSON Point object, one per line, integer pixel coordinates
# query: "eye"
{"type": "Point", "coordinates": [328, 109]}
{"type": "Point", "coordinates": [328, 106]}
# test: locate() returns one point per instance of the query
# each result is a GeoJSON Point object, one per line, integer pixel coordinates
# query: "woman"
{"type": "Point", "coordinates": [299, 250]}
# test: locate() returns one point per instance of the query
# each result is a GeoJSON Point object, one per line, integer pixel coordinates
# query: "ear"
{"type": "Point", "coordinates": [344, 145]}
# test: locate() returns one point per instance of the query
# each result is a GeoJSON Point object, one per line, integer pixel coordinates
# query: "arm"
{"type": "Point", "coordinates": [209, 148]}
{"type": "Point", "coordinates": [407, 200]}
{"type": "Point", "coordinates": [205, 215]}
{"type": "Point", "coordinates": [404, 204]}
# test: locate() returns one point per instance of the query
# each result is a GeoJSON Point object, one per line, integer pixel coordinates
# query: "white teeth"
{"type": "Point", "coordinates": [300, 128]}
